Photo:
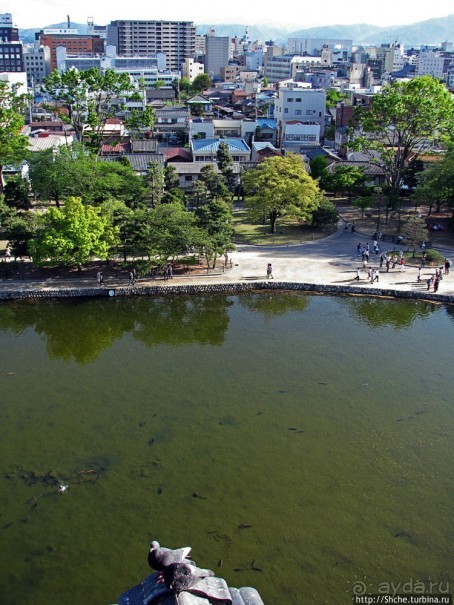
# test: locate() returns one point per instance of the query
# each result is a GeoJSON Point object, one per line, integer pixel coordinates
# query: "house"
{"type": "Point", "coordinates": [204, 150]}
{"type": "Point", "coordinates": [262, 150]}
{"type": "Point", "coordinates": [296, 135]}
{"type": "Point", "coordinates": [266, 130]}
{"type": "Point", "coordinates": [189, 172]}
{"type": "Point", "coordinates": [171, 120]}
{"type": "Point", "coordinates": [199, 104]}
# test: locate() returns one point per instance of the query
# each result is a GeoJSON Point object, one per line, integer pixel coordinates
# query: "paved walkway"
{"type": "Point", "coordinates": [330, 261]}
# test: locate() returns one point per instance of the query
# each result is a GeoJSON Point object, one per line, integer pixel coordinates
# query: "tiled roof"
{"type": "Point", "coordinates": [177, 152]}
{"type": "Point", "coordinates": [196, 167]}
{"type": "Point", "coordinates": [267, 123]}
{"type": "Point", "coordinates": [212, 145]}
{"type": "Point", "coordinates": [53, 140]}
{"type": "Point", "coordinates": [144, 145]}
{"type": "Point", "coordinates": [139, 161]}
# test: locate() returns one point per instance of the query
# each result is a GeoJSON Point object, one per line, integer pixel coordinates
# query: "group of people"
{"type": "Point", "coordinates": [435, 279]}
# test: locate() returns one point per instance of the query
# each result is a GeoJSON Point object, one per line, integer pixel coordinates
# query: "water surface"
{"type": "Point", "coordinates": [301, 443]}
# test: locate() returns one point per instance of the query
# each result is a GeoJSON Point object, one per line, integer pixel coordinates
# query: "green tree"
{"type": "Point", "coordinates": [214, 182]}
{"type": "Point", "coordinates": [173, 229]}
{"type": "Point", "coordinates": [325, 214]}
{"type": "Point", "coordinates": [13, 145]}
{"type": "Point", "coordinates": [73, 235]}
{"type": "Point", "coordinates": [201, 82]}
{"type": "Point", "coordinates": [364, 202]}
{"type": "Point", "coordinates": [401, 122]}
{"type": "Point", "coordinates": [155, 183]}
{"type": "Point", "coordinates": [88, 98]}
{"type": "Point", "coordinates": [415, 232]}
{"type": "Point", "coordinates": [345, 178]}
{"type": "Point", "coordinates": [436, 185]}
{"type": "Point", "coordinates": [265, 82]}
{"type": "Point", "coordinates": [200, 192]}
{"type": "Point", "coordinates": [215, 224]}
{"type": "Point", "coordinates": [225, 164]}
{"type": "Point", "coordinates": [319, 170]}
{"type": "Point", "coordinates": [17, 193]}
{"type": "Point", "coordinates": [19, 228]}
{"type": "Point", "coordinates": [280, 186]}
{"type": "Point", "coordinates": [171, 178]}
{"type": "Point", "coordinates": [333, 97]}
{"type": "Point", "coordinates": [138, 120]}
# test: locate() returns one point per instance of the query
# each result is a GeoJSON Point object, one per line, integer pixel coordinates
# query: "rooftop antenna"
{"type": "Point", "coordinates": [69, 21]}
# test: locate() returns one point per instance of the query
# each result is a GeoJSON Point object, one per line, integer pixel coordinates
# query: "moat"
{"type": "Point", "coordinates": [300, 444]}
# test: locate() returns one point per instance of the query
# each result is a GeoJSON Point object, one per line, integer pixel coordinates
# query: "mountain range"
{"type": "Point", "coordinates": [432, 31]}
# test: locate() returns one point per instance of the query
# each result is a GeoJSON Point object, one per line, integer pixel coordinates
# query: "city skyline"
{"type": "Point", "coordinates": [37, 13]}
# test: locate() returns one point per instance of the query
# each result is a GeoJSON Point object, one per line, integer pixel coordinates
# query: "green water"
{"type": "Point", "coordinates": [316, 433]}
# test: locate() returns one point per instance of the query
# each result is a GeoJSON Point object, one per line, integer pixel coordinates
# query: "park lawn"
{"type": "Point", "coordinates": [287, 231]}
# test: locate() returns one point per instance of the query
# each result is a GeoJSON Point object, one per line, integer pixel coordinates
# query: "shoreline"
{"type": "Point", "coordinates": [35, 294]}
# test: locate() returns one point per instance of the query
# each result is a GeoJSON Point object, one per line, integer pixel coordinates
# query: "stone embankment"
{"type": "Point", "coordinates": [218, 288]}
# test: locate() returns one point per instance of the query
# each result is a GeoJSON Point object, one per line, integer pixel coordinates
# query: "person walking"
{"type": "Point", "coordinates": [101, 278]}
{"type": "Point", "coordinates": [357, 274]}
{"type": "Point", "coordinates": [418, 277]}
{"type": "Point", "coordinates": [358, 249]}
{"type": "Point", "coordinates": [447, 266]}
{"type": "Point", "coordinates": [269, 271]}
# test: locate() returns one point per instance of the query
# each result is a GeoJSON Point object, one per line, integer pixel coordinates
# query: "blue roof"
{"type": "Point", "coordinates": [267, 123]}
{"type": "Point", "coordinates": [212, 145]}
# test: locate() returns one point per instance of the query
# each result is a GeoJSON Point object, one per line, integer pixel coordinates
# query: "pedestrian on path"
{"type": "Point", "coordinates": [357, 274]}
{"type": "Point", "coordinates": [269, 271]}
{"type": "Point", "coordinates": [447, 266]}
{"type": "Point", "coordinates": [131, 278]}
{"type": "Point", "coordinates": [436, 284]}
{"type": "Point", "coordinates": [418, 277]}
{"type": "Point", "coordinates": [358, 249]}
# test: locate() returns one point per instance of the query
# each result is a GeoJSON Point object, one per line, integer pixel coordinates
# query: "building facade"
{"type": "Point", "coordinates": [217, 55]}
{"type": "Point", "coordinates": [37, 64]}
{"type": "Point", "coordinates": [176, 39]}
{"type": "Point", "coordinates": [304, 105]}
{"type": "Point", "coordinates": [75, 44]}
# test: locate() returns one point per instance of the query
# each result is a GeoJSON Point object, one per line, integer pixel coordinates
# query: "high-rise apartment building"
{"type": "Point", "coordinates": [176, 39]}
{"type": "Point", "coordinates": [11, 50]}
{"type": "Point", "coordinates": [217, 54]}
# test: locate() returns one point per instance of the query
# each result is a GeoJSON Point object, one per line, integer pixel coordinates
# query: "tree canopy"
{"type": "Point", "coordinates": [73, 235]}
{"type": "Point", "coordinates": [85, 100]}
{"type": "Point", "coordinates": [402, 121]}
{"type": "Point", "coordinates": [281, 186]}
{"type": "Point", "coordinates": [13, 145]}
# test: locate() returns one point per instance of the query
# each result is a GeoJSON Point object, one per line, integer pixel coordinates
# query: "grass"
{"type": "Point", "coordinates": [287, 231]}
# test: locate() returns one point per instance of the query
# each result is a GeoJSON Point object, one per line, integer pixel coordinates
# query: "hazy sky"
{"type": "Point", "coordinates": [38, 13]}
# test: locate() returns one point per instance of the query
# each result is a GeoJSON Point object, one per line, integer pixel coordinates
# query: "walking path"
{"type": "Point", "coordinates": [330, 261]}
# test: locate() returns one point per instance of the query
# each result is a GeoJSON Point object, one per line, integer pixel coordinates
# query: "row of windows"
{"type": "Point", "coordinates": [300, 137]}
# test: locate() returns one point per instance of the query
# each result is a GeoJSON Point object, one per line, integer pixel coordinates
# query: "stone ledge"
{"type": "Point", "coordinates": [224, 288]}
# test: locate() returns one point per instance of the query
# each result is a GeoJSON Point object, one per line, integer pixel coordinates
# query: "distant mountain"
{"type": "Point", "coordinates": [433, 31]}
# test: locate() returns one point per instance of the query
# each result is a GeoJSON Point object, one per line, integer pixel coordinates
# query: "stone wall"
{"type": "Point", "coordinates": [233, 288]}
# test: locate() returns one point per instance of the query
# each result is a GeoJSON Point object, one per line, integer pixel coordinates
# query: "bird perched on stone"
{"type": "Point", "coordinates": [183, 575]}
{"type": "Point", "coordinates": [160, 557]}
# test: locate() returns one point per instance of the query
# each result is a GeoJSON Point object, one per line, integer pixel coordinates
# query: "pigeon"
{"type": "Point", "coordinates": [160, 557]}
{"type": "Point", "coordinates": [183, 575]}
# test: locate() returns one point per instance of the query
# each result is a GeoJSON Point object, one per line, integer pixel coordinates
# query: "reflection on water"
{"type": "Point", "coordinates": [274, 429]}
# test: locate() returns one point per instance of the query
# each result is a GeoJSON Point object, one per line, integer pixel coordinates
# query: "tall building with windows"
{"type": "Point", "coordinates": [176, 39]}
{"type": "Point", "coordinates": [11, 50]}
{"type": "Point", "coordinates": [74, 43]}
{"type": "Point", "coordinates": [217, 54]}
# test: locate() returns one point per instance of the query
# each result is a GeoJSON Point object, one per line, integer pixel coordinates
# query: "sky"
{"type": "Point", "coordinates": [39, 13]}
